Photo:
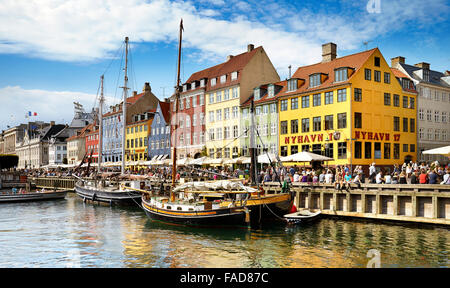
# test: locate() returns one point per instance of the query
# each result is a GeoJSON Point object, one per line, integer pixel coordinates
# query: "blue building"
{"type": "Point", "coordinates": [159, 138]}
{"type": "Point", "coordinates": [112, 134]}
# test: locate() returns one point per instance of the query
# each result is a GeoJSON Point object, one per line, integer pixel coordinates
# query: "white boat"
{"type": "Point", "coordinates": [302, 216]}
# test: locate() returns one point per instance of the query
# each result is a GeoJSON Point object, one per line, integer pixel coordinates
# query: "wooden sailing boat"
{"type": "Point", "coordinates": [104, 188]}
{"type": "Point", "coordinates": [220, 202]}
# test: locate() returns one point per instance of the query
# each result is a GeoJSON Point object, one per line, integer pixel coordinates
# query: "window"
{"type": "Point", "coordinates": [377, 76]}
{"type": "Point", "coordinates": [412, 148]}
{"type": "Point", "coordinates": [292, 85]}
{"type": "Point", "coordinates": [329, 97]}
{"type": "Point", "coordinates": [235, 131]}
{"type": "Point", "coordinates": [358, 150]}
{"type": "Point", "coordinates": [342, 150]}
{"type": "Point", "coordinates": [358, 94]}
{"type": "Point", "coordinates": [213, 81]}
{"type": "Point", "coordinates": [358, 120]}
{"type": "Point", "coordinates": [283, 127]}
{"type": "Point", "coordinates": [234, 75]}
{"type": "Point", "coordinates": [273, 128]}
{"type": "Point", "coordinates": [194, 120]}
{"type": "Point", "coordinates": [202, 83]}
{"type": "Point", "coordinates": [429, 134]}
{"type": "Point", "coordinates": [421, 114]}
{"type": "Point", "coordinates": [436, 116]}
{"type": "Point", "coordinates": [265, 109]}
{"type": "Point", "coordinates": [305, 148]}
{"type": "Point", "coordinates": [342, 95]}
{"type": "Point", "coordinates": [226, 113]}
{"type": "Point", "coordinates": [283, 105]}
{"type": "Point", "coordinates": [235, 112]}
{"type": "Point", "coordinates": [317, 122]}
{"type": "Point", "coordinates": [428, 115]}
{"type": "Point", "coordinates": [305, 101]}
{"type": "Point", "coordinates": [387, 150]}
{"type": "Point", "coordinates": [294, 149]}
{"type": "Point", "coordinates": [273, 108]}
{"type": "Point", "coordinates": [367, 74]}
{"type": "Point", "coordinates": [396, 151]}
{"type": "Point", "coordinates": [340, 75]}
{"type": "Point", "coordinates": [316, 99]}
{"type": "Point", "coordinates": [294, 126]}
{"type": "Point", "coordinates": [405, 147]}
{"type": "Point", "coordinates": [211, 98]}
{"type": "Point", "coordinates": [405, 102]}
{"type": "Point", "coordinates": [226, 94]}
{"type": "Point", "coordinates": [211, 116]}
{"type": "Point", "coordinates": [387, 99]}
{"type": "Point", "coordinates": [444, 117]}
{"type": "Point", "coordinates": [219, 115]}
{"type": "Point", "coordinates": [342, 120]}
{"type": "Point", "coordinates": [226, 132]}
{"type": "Point", "coordinates": [314, 80]}
{"type": "Point", "coordinates": [377, 150]}
{"type": "Point", "coordinates": [328, 122]}
{"type": "Point", "coordinates": [367, 150]}
{"type": "Point", "coordinates": [223, 78]}
{"type": "Point", "coordinates": [412, 125]}
{"type": "Point", "coordinates": [235, 92]}
{"type": "Point", "coordinates": [305, 125]}
{"type": "Point", "coordinates": [256, 93]}
{"type": "Point", "coordinates": [396, 123]}
{"type": "Point", "coordinates": [387, 77]}
{"type": "Point", "coordinates": [329, 150]}
{"type": "Point", "coordinates": [396, 100]}
{"type": "Point", "coordinates": [271, 90]}
{"type": "Point", "coordinates": [294, 103]}
{"type": "Point", "coordinates": [405, 124]}
{"type": "Point", "coordinates": [284, 151]}
{"type": "Point", "coordinates": [437, 134]}
{"type": "Point", "coordinates": [376, 61]}
{"type": "Point", "coordinates": [202, 100]}
{"type": "Point", "coordinates": [218, 96]}
{"type": "Point", "coordinates": [219, 133]}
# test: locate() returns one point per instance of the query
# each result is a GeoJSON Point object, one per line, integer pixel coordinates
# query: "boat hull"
{"type": "Point", "coordinates": [216, 217]}
{"type": "Point", "coordinates": [105, 196]}
{"type": "Point", "coordinates": [270, 207]}
{"type": "Point", "coordinates": [38, 196]}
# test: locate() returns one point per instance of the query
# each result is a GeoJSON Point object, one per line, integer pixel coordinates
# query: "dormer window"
{"type": "Point", "coordinates": [314, 80]}
{"type": "Point", "coordinates": [256, 94]}
{"type": "Point", "coordinates": [223, 78]}
{"type": "Point", "coordinates": [184, 87]}
{"type": "Point", "coordinates": [192, 85]}
{"type": "Point", "coordinates": [202, 83]}
{"type": "Point", "coordinates": [234, 75]}
{"type": "Point", "coordinates": [426, 75]}
{"type": "Point", "coordinates": [213, 81]}
{"type": "Point", "coordinates": [292, 85]}
{"type": "Point", "coordinates": [271, 90]}
{"type": "Point", "coordinates": [340, 74]}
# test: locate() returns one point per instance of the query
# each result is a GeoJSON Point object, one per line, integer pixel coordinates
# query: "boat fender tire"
{"type": "Point", "coordinates": [94, 196]}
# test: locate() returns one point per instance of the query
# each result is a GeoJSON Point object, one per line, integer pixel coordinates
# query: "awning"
{"type": "Point", "coordinates": [438, 151]}
{"type": "Point", "coordinates": [305, 157]}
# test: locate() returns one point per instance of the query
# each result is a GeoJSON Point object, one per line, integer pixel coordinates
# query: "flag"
{"type": "Point", "coordinates": [30, 114]}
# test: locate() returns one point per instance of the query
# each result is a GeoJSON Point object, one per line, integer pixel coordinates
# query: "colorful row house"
{"type": "Point", "coordinates": [352, 109]}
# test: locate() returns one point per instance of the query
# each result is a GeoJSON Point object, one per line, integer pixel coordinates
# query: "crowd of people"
{"type": "Point", "coordinates": [342, 177]}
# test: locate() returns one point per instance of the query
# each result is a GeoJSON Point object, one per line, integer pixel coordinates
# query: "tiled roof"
{"type": "Point", "coordinates": [236, 63]}
{"type": "Point", "coordinates": [165, 110]}
{"type": "Point", "coordinates": [86, 130]}
{"type": "Point", "coordinates": [265, 97]}
{"type": "Point", "coordinates": [399, 74]}
{"type": "Point", "coordinates": [354, 61]}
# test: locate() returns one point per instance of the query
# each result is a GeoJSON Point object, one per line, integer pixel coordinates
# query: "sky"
{"type": "Point", "coordinates": [53, 52]}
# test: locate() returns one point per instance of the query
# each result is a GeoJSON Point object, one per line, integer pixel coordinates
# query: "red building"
{"type": "Point", "coordinates": [92, 141]}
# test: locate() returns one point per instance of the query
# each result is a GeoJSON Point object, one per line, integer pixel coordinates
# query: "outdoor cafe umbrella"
{"type": "Point", "coordinates": [305, 157]}
{"type": "Point", "coordinates": [439, 151]}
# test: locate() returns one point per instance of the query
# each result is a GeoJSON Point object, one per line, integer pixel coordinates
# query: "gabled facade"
{"type": "Point", "coordinates": [433, 105]}
{"type": "Point", "coordinates": [137, 136]}
{"type": "Point", "coordinates": [350, 109]}
{"type": "Point", "coordinates": [160, 137]}
{"type": "Point", "coordinates": [231, 84]}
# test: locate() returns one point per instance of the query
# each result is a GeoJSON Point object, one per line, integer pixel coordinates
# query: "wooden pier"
{"type": "Point", "coordinates": [422, 203]}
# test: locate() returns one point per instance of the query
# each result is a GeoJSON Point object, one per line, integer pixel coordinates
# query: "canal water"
{"type": "Point", "coordinates": [70, 233]}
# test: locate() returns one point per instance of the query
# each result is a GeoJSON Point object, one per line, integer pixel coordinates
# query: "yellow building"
{"type": "Point", "coordinates": [137, 133]}
{"type": "Point", "coordinates": [229, 85]}
{"type": "Point", "coordinates": [351, 109]}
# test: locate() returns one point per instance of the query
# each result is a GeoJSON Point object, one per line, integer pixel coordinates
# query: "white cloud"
{"type": "Point", "coordinates": [49, 105]}
{"type": "Point", "coordinates": [85, 30]}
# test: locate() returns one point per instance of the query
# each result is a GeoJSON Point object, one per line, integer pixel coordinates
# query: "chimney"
{"type": "Point", "coordinates": [250, 47]}
{"type": "Point", "coordinates": [147, 87]}
{"type": "Point", "coordinates": [447, 73]}
{"type": "Point", "coordinates": [167, 100]}
{"type": "Point", "coordinates": [397, 60]}
{"type": "Point", "coordinates": [423, 65]}
{"type": "Point", "coordinates": [52, 123]}
{"type": "Point", "coordinates": [328, 52]}
{"type": "Point", "coordinates": [134, 93]}
{"type": "Point", "coordinates": [229, 57]}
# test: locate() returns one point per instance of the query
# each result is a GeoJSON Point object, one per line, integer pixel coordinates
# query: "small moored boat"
{"type": "Point", "coordinates": [22, 196]}
{"type": "Point", "coordinates": [302, 216]}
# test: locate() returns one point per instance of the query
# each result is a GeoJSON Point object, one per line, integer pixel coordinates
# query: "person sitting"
{"type": "Point", "coordinates": [357, 180]}
{"type": "Point", "coordinates": [347, 180]}
{"type": "Point", "coordinates": [415, 177]}
{"type": "Point", "coordinates": [379, 179]}
{"type": "Point", "coordinates": [388, 179]}
{"type": "Point", "coordinates": [296, 177]}
{"type": "Point", "coordinates": [433, 177]}
{"type": "Point", "coordinates": [402, 178]}
{"type": "Point", "coordinates": [395, 178]}
{"type": "Point", "coordinates": [446, 178]}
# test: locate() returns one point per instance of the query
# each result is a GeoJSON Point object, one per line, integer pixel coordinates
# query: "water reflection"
{"type": "Point", "coordinates": [70, 232]}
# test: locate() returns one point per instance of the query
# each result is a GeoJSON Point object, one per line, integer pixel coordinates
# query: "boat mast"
{"type": "Point", "coordinates": [100, 126]}
{"type": "Point", "coordinates": [176, 103]}
{"type": "Point", "coordinates": [253, 162]}
{"type": "Point", "coordinates": [124, 108]}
